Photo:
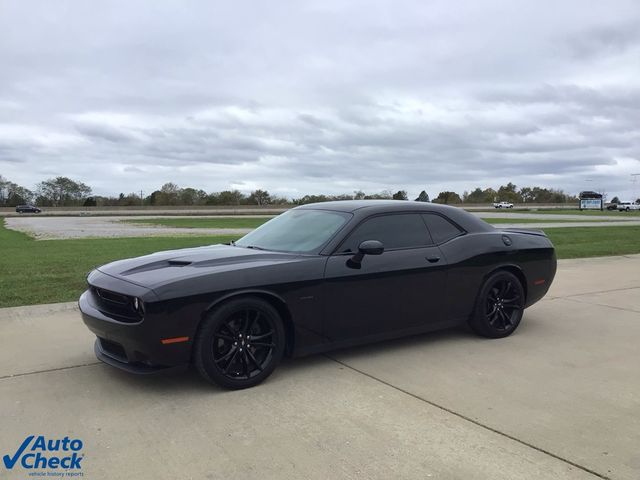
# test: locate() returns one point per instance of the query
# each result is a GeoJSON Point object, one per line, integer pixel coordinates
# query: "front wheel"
{"type": "Point", "coordinates": [240, 343]}
{"type": "Point", "coordinates": [499, 306]}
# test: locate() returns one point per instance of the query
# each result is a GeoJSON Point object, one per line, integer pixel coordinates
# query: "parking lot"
{"type": "Point", "coordinates": [558, 399]}
{"type": "Point", "coordinates": [105, 227]}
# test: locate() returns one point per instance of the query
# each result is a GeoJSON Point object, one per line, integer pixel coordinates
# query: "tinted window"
{"type": "Point", "coordinates": [297, 230]}
{"type": "Point", "coordinates": [394, 231]}
{"type": "Point", "coordinates": [441, 229]}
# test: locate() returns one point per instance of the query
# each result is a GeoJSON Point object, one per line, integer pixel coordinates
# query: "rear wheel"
{"type": "Point", "coordinates": [499, 306]}
{"type": "Point", "coordinates": [240, 343]}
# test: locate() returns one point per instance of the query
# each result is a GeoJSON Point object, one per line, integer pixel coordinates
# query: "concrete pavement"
{"type": "Point", "coordinates": [558, 399]}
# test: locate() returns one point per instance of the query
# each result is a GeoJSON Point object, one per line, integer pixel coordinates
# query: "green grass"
{"type": "Point", "coordinates": [253, 222]}
{"type": "Point", "coordinates": [568, 211]}
{"type": "Point", "coordinates": [539, 220]}
{"type": "Point", "coordinates": [577, 242]}
{"type": "Point", "coordinates": [48, 271]}
{"type": "Point", "coordinates": [195, 222]}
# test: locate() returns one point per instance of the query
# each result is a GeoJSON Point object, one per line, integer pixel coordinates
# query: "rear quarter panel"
{"type": "Point", "coordinates": [473, 257]}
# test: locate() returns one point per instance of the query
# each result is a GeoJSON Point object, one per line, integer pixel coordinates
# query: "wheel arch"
{"type": "Point", "coordinates": [275, 300]}
{"type": "Point", "coordinates": [514, 269]}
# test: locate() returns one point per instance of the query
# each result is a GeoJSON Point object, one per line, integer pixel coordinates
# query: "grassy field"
{"type": "Point", "coordinates": [498, 221]}
{"type": "Point", "coordinates": [196, 222]}
{"type": "Point", "coordinates": [253, 222]}
{"type": "Point", "coordinates": [567, 211]}
{"type": "Point", "coordinates": [577, 242]}
{"type": "Point", "coordinates": [48, 271]}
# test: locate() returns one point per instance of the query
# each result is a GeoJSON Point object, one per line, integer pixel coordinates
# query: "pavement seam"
{"type": "Point", "coordinates": [6, 377]}
{"type": "Point", "coordinates": [554, 297]}
{"type": "Point", "coordinates": [475, 422]}
{"type": "Point", "coordinates": [584, 302]}
{"type": "Point", "coordinates": [602, 291]}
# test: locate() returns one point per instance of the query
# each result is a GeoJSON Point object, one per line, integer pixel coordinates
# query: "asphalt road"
{"type": "Point", "coordinates": [209, 210]}
{"type": "Point", "coordinates": [559, 399]}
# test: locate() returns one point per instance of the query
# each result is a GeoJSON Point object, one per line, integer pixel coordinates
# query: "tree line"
{"type": "Point", "coordinates": [59, 191]}
{"type": "Point", "coordinates": [63, 192]}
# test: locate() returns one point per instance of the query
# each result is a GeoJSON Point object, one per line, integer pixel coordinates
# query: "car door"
{"type": "Point", "coordinates": [399, 290]}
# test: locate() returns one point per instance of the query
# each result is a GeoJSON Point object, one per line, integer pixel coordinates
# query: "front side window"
{"type": "Point", "coordinates": [300, 231]}
{"type": "Point", "coordinates": [394, 231]}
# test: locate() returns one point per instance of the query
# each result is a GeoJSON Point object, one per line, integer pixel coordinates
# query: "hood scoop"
{"type": "Point", "coordinates": [156, 266]}
{"type": "Point", "coordinates": [179, 263]}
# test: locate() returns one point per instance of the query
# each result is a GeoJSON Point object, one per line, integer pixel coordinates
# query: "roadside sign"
{"type": "Point", "coordinates": [591, 204]}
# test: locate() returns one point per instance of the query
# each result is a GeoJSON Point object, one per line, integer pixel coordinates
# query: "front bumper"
{"type": "Point", "coordinates": [135, 347]}
{"type": "Point", "coordinates": [137, 368]}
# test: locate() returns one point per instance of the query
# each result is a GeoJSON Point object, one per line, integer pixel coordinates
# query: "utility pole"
{"type": "Point", "coordinates": [634, 179]}
{"type": "Point", "coordinates": [141, 198]}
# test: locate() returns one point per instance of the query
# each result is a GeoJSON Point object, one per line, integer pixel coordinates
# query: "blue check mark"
{"type": "Point", "coordinates": [10, 462]}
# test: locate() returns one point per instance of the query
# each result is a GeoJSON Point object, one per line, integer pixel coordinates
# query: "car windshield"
{"type": "Point", "coordinates": [300, 231]}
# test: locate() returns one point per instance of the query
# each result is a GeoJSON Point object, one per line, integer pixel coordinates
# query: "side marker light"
{"type": "Point", "coordinates": [167, 341]}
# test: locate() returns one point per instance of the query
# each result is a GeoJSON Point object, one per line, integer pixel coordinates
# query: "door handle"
{"type": "Point", "coordinates": [433, 259]}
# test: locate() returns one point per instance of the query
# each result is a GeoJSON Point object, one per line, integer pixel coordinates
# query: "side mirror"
{"type": "Point", "coordinates": [368, 247]}
{"type": "Point", "coordinates": [371, 247]}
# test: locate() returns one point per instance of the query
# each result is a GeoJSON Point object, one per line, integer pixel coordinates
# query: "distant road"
{"type": "Point", "coordinates": [213, 210]}
{"type": "Point", "coordinates": [163, 212]}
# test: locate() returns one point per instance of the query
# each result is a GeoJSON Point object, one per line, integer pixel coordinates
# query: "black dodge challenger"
{"type": "Point", "coordinates": [318, 277]}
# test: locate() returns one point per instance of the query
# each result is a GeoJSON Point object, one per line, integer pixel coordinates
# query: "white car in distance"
{"type": "Point", "coordinates": [628, 206]}
{"type": "Point", "coordinates": [503, 205]}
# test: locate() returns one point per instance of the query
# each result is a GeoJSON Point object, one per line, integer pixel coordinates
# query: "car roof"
{"type": "Point", "coordinates": [363, 208]}
{"type": "Point", "coordinates": [383, 205]}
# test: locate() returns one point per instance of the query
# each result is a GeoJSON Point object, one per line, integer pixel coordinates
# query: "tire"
{"type": "Point", "coordinates": [628, 209]}
{"type": "Point", "coordinates": [499, 306]}
{"type": "Point", "coordinates": [240, 343]}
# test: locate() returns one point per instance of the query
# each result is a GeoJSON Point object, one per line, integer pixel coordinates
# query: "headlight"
{"type": "Point", "coordinates": [138, 305]}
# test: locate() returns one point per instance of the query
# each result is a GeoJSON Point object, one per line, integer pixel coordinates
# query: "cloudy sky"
{"type": "Point", "coordinates": [328, 96]}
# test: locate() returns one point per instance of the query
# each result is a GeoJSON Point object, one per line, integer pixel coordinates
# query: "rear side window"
{"type": "Point", "coordinates": [394, 231]}
{"type": "Point", "coordinates": [441, 229]}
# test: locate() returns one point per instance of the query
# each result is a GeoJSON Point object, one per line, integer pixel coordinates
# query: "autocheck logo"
{"type": "Point", "coordinates": [40, 453]}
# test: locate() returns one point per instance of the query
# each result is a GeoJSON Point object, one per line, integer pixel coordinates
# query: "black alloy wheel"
{"type": "Point", "coordinates": [499, 307]}
{"type": "Point", "coordinates": [240, 343]}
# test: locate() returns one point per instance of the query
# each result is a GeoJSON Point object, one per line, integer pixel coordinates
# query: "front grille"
{"type": "Point", "coordinates": [113, 349]}
{"type": "Point", "coordinates": [112, 296]}
{"type": "Point", "coordinates": [116, 305]}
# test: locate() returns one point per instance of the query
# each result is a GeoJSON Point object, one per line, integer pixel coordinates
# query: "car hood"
{"type": "Point", "coordinates": [162, 268]}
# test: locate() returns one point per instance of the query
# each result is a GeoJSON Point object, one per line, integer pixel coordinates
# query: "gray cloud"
{"type": "Point", "coordinates": [299, 97]}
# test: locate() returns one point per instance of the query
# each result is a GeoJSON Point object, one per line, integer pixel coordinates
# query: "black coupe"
{"type": "Point", "coordinates": [318, 277]}
{"type": "Point", "coordinates": [27, 209]}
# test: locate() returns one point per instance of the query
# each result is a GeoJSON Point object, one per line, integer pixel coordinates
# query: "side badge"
{"type": "Point", "coordinates": [506, 240]}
